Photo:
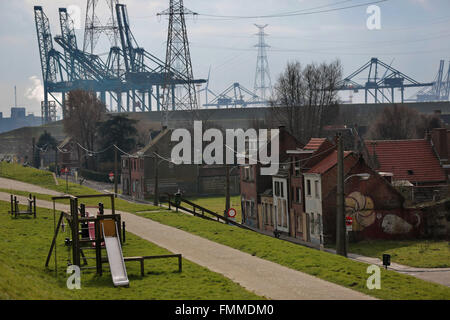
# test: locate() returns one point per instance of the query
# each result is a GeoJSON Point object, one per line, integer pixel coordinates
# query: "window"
{"type": "Point", "coordinates": [308, 187]}
{"type": "Point", "coordinates": [277, 188]}
{"type": "Point", "coordinates": [316, 189]}
{"type": "Point", "coordinates": [299, 195]}
{"type": "Point", "coordinates": [312, 224]}
{"type": "Point", "coordinates": [281, 189]}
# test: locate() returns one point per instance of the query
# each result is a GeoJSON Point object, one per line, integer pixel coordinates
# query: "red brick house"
{"type": "Point", "coordinates": [376, 206]}
{"type": "Point", "coordinates": [301, 160]}
{"type": "Point", "coordinates": [412, 163]}
{"type": "Point", "coordinates": [253, 184]}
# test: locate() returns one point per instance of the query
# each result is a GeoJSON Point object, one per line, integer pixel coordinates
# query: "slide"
{"type": "Point", "coordinates": [115, 256]}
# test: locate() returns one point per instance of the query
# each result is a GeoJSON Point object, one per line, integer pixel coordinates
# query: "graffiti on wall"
{"type": "Point", "coordinates": [362, 209]}
{"type": "Point", "coordinates": [393, 224]}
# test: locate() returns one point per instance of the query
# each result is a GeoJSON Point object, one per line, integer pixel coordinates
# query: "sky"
{"type": "Point", "coordinates": [414, 36]}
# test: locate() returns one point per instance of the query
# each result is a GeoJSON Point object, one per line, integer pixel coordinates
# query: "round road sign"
{"type": "Point", "coordinates": [232, 213]}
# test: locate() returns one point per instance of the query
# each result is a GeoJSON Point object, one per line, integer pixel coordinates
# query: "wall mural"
{"type": "Point", "coordinates": [361, 209]}
{"type": "Point", "coordinates": [393, 224]}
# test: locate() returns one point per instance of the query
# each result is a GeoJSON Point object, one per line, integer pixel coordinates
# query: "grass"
{"type": "Point", "coordinates": [323, 265]}
{"type": "Point", "coordinates": [414, 253]}
{"type": "Point", "coordinates": [217, 204]}
{"type": "Point", "coordinates": [45, 180]}
{"type": "Point", "coordinates": [330, 267]}
{"type": "Point", "coordinates": [24, 245]}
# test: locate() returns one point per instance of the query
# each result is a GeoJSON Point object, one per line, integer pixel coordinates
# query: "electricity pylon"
{"type": "Point", "coordinates": [263, 81]}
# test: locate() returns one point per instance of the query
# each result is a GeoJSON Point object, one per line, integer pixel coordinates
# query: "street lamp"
{"type": "Point", "coordinates": [362, 177]}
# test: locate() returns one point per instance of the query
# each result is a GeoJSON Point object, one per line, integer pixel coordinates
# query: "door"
{"type": "Point", "coordinates": [307, 228]}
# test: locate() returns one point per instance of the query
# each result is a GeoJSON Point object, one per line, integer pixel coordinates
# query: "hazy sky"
{"type": "Point", "coordinates": [416, 33]}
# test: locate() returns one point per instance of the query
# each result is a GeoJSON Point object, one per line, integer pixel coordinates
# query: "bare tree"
{"type": "Point", "coordinates": [399, 122]}
{"type": "Point", "coordinates": [304, 96]}
{"type": "Point", "coordinates": [84, 111]}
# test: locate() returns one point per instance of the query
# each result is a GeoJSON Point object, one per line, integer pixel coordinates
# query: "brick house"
{"type": "Point", "coordinates": [301, 160]}
{"type": "Point", "coordinates": [139, 173]}
{"type": "Point", "coordinates": [413, 164]}
{"type": "Point", "coordinates": [376, 207]}
{"type": "Point", "coordinates": [253, 184]}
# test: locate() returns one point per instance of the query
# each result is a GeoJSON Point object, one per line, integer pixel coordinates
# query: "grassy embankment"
{"type": "Point", "coordinates": [326, 266]}
{"type": "Point", "coordinates": [24, 246]}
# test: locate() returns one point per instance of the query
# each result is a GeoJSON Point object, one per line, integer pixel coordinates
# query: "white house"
{"type": "Point", "coordinates": [313, 206]}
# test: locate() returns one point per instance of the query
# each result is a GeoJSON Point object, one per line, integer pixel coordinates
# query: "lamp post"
{"type": "Point", "coordinates": [341, 232]}
{"type": "Point", "coordinates": [362, 177]}
{"type": "Point", "coordinates": [156, 193]}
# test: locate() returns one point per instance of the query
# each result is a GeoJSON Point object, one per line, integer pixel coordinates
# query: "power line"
{"type": "Point", "coordinates": [291, 14]}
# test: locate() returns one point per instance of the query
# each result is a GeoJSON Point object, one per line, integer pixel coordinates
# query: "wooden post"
{"type": "Point", "coordinates": [75, 233]}
{"type": "Point", "coordinates": [340, 219]}
{"type": "Point", "coordinates": [115, 173]}
{"type": "Point", "coordinates": [34, 206]}
{"type": "Point", "coordinates": [54, 239]}
{"type": "Point", "coordinates": [98, 248]}
{"type": "Point", "coordinates": [16, 206]}
{"type": "Point", "coordinates": [180, 263]}
{"type": "Point", "coordinates": [118, 221]}
{"type": "Point", "coordinates": [169, 202]}
{"type": "Point", "coordinates": [113, 206]}
{"type": "Point", "coordinates": [123, 232]}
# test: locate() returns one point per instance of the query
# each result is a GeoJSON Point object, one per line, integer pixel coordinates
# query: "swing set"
{"type": "Point", "coordinates": [31, 209]}
{"type": "Point", "coordinates": [89, 233]}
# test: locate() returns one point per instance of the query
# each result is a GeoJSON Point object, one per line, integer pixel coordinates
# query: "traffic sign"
{"type": "Point", "coordinates": [232, 213]}
{"type": "Point", "coordinates": [111, 176]}
{"type": "Point", "coordinates": [349, 223]}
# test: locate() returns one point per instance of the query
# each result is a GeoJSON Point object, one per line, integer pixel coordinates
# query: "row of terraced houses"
{"type": "Point", "coordinates": [405, 196]}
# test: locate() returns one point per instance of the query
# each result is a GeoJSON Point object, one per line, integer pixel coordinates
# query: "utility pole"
{"type": "Point", "coordinates": [341, 248]}
{"type": "Point", "coordinates": [156, 193]}
{"type": "Point", "coordinates": [115, 173]}
{"type": "Point", "coordinates": [227, 189]}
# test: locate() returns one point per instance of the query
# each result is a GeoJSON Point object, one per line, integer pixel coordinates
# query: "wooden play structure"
{"type": "Point", "coordinates": [31, 210]}
{"type": "Point", "coordinates": [90, 233]}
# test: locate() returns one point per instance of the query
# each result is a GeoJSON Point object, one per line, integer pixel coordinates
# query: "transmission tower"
{"type": "Point", "coordinates": [100, 25]}
{"type": "Point", "coordinates": [263, 82]}
{"type": "Point", "coordinates": [178, 59]}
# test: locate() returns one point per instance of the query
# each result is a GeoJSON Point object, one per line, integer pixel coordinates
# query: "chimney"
{"type": "Point", "coordinates": [439, 138]}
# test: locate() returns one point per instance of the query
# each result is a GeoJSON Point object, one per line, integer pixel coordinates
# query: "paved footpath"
{"type": "Point", "coordinates": [438, 275]}
{"type": "Point", "coordinates": [260, 276]}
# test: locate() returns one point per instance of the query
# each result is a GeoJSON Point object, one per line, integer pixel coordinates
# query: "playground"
{"type": "Point", "coordinates": [27, 242]}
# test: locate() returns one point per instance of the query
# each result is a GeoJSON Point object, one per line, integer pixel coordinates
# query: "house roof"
{"type": "Point", "coordinates": [329, 162]}
{"type": "Point", "coordinates": [412, 160]}
{"type": "Point", "coordinates": [314, 143]}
